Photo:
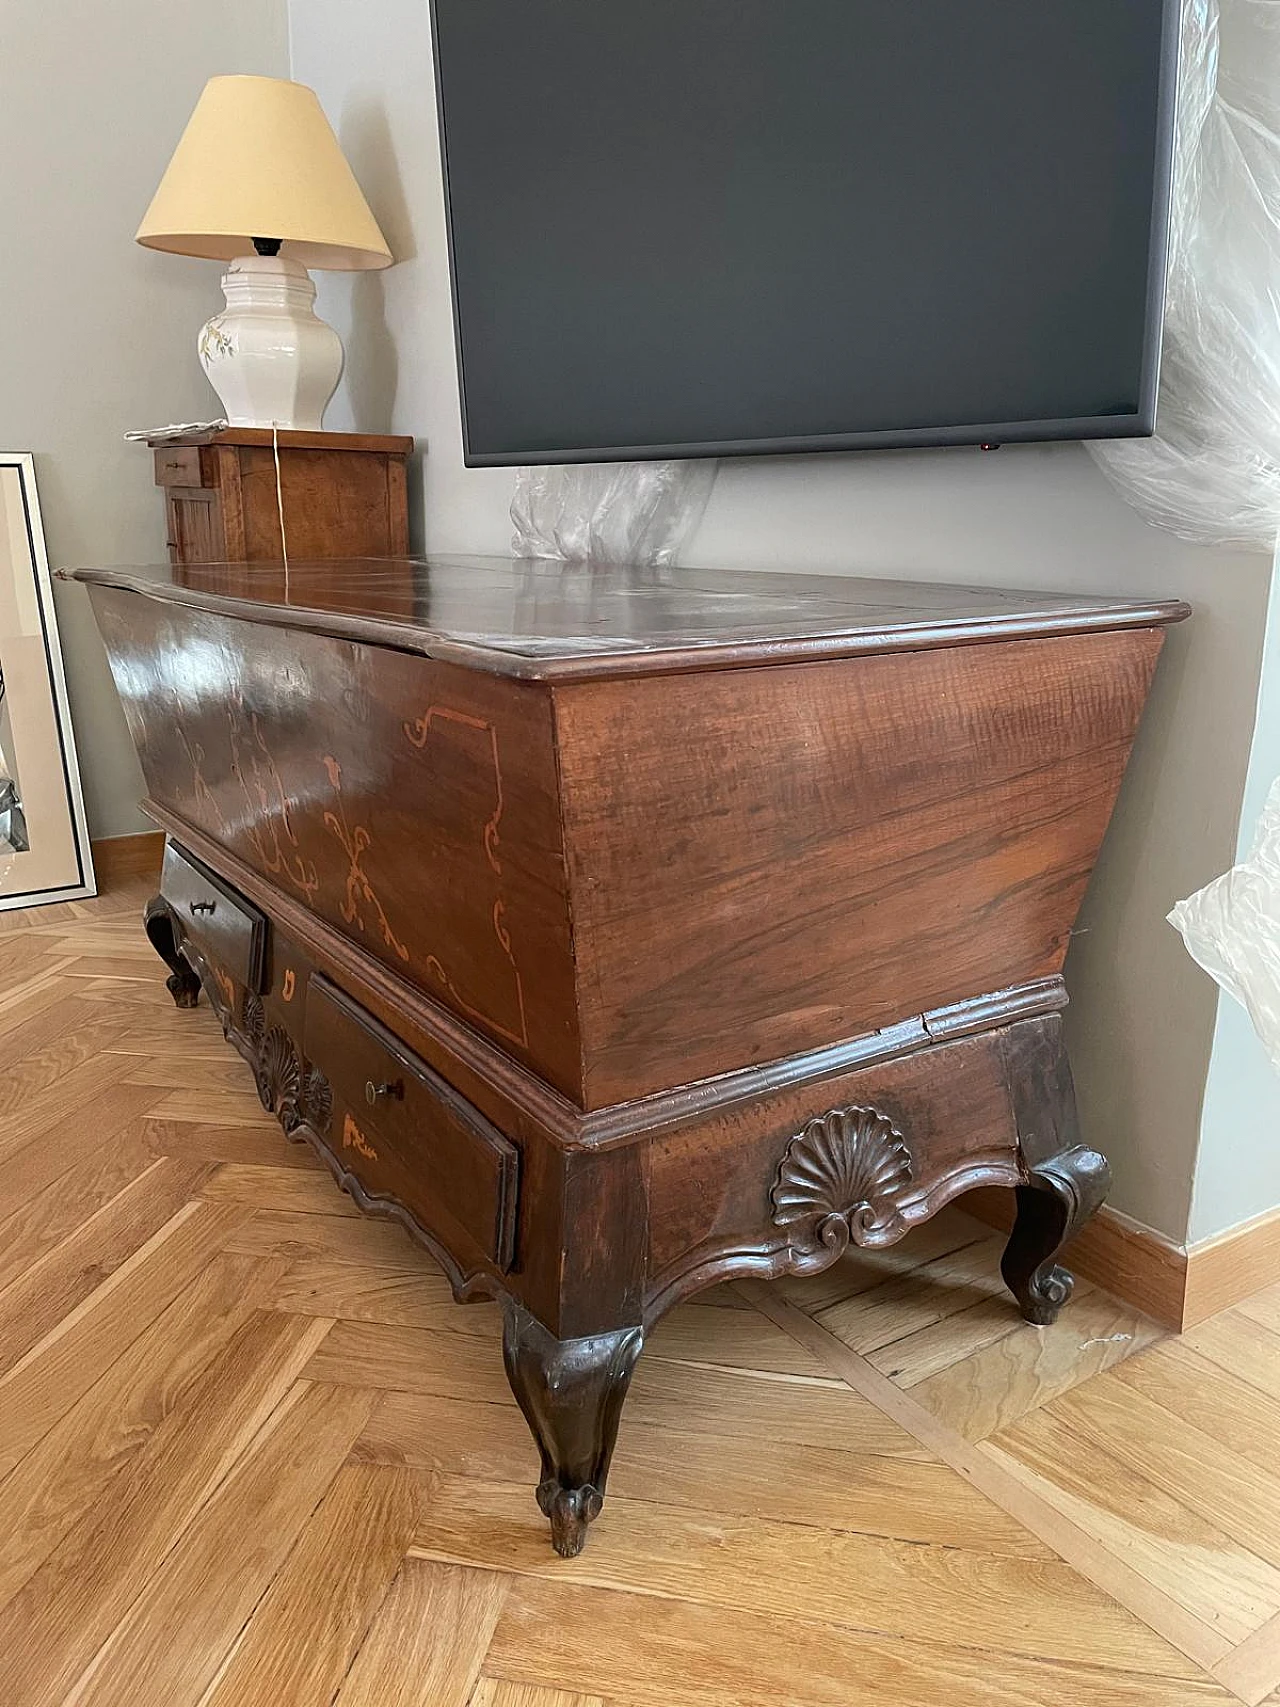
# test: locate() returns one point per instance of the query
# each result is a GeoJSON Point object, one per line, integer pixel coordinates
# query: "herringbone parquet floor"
{"type": "Point", "coordinates": [253, 1455]}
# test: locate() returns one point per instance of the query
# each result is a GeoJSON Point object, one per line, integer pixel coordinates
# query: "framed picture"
{"type": "Point", "coordinates": [44, 840]}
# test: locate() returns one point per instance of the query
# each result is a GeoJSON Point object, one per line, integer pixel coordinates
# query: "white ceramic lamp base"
{"type": "Point", "coordinates": [268, 355]}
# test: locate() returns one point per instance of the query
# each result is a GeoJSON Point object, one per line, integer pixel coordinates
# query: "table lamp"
{"type": "Point", "coordinates": [258, 180]}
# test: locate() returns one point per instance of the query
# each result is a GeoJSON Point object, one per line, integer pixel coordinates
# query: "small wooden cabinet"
{"type": "Point", "coordinates": [341, 494]}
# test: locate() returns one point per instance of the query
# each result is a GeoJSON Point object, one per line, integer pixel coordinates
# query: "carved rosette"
{"type": "Point", "coordinates": [839, 1183]}
{"type": "Point", "coordinates": [317, 1101]}
{"type": "Point", "coordinates": [255, 1020]}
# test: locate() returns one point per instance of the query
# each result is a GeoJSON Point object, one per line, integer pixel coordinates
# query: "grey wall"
{"type": "Point", "coordinates": [1143, 1014]}
{"type": "Point", "coordinates": [99, 335]}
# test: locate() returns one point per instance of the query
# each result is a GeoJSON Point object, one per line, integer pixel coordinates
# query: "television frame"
{"type": "Point", "coordinates": [1140, 424]}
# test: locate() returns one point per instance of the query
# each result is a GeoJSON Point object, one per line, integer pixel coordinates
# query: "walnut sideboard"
{"type": "Point", "coordinates": [619, 934]}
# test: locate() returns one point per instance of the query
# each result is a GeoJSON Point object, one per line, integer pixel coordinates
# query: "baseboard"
{"type": "Point", "coordinates": [1176, 1285]}
{"type": "Point", "coordinates": [1235, 1265]}
{"type": "Point", "coordinates": [116, 859]}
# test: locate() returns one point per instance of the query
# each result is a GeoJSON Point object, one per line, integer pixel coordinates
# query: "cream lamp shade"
{"type": "Point", "coordinates": [258, 181]}
{"type": "Point", "coordinates": [259, 159]}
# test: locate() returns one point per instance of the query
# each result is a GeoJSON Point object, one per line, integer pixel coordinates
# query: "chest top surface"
{"type": "Point", "coordinates": [541, 619]}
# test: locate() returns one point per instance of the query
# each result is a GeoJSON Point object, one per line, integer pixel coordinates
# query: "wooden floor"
{"type": "Point", "coordinates": [252, 1454]}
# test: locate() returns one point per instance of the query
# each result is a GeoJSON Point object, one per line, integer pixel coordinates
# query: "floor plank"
{"type": "Point", "coordinates": [1263, 1308]}
{"type": "Point", "coordinates": [1180, 1551]}
{"type": "Point", "coordinates": [493, 1692]}
{"type": "Point", "coordinates": [225, 1075]}
{"type": "Point", "coordinates": [54, 1374]}
{"type": "Point", "coordinates": [264, 1185]}
{"type": "Point", "coordinates": [301, 1640]}
{"type": "Point", "coordinates": [87, 1449]}
{"type": "Point", "coordinates": [83, 1037]}
{"type": "Point", "coordinates": [285, 1233]}
{"type": "Point", "coordinates": [860, 1270]}
{"type": "Point", "coordinates": [1242, 1346]}
{"type": "Point", "coordinates": [942, 1344]}
{"type": "Point", "coordinates": [225, 1108]}
{"type": "Point", "coordinates": [429, 1640]}
{"type": "Point", "coordinates": [51, 1288]}
{"type": "Point", "coordinates": [1039, 1609]}
{"type": "Point", "coordinates": [721, 1401]}
{"type": "Point", "coordinates": [50, 1631]}
{"type": "Point", "coordinates": [1242, 1499]}
{"type": "Point", "coordinates": [34, 1032]}
{"type": "Point", "coordinates": [655, 1653]}
{"type": "Point", "coordinates": [227, 1557]}
{"type": "Point", "coordinates": [69, 1098]}
{"type": "Point", "coordinates": [43, 1218]}
{"type": "Point", "coordinates": [1002, 1382]}
{"type": "Point", "coordinates": [1243, 1417]}
{"type": "Point", "coordinates": [1098, 1564]}
{"type": "Point", "coordinates": [916, 1300]}
{"type": "Point", "coordinates": [207, 1142]}
{"type": "Point", "coordinates": [780, 1478]}
{"type": "Point", "coordinates": [406, 1297]}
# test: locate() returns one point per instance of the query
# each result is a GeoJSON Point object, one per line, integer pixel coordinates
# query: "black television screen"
{"type": "Point", "coordinates": [704, 227]}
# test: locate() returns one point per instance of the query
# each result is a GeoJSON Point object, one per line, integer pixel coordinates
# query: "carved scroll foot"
{"type": "Point", "coordinates": [571, 1393]}
{"type": "Point", "coordinates": [182, 984]}
{"type": "Point", "coordinates": [1060, 1195]}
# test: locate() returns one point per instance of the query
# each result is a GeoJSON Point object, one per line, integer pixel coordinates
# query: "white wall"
{"type": "Point", "coordinates": [1040, 517]}
{"type": "Point", "coordinates": [1238, 1167]}
{"type": "Point", "coordinates": [99, 335]}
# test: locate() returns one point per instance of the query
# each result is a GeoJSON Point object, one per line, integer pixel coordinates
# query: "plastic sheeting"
{"type": "Point", "coordinates": [1211, 474]}
{"type": "Point", "coordinates": [624, 512]}
{"type": "Point", "coordinates": [1232, 928]}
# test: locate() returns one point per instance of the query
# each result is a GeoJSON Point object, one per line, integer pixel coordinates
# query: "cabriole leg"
{"type": "Point", "coordinates": [571, 1393]}
{"type": "Point", "coordinates": [182, 984]}
{"type": "Point", "coordinates": [1064, 1181]}
{"type": "Point", "coordinates": [1059, 1197]}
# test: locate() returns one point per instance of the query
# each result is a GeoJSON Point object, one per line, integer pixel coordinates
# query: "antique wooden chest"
{"type": "Point", "coordinates": [620, 933]}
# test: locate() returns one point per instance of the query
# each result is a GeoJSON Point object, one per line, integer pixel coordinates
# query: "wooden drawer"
{"type": "Point", "coordinates": [405, 1133]}
{"type": "Point", "coordinates": [178, 465]}
{"type": "Point", "coordinates": [228, 930]}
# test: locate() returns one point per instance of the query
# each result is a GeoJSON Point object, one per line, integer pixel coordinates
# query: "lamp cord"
{"type": "Point", "coordinates": [284, 543]}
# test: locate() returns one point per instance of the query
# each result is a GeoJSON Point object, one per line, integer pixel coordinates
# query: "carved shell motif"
{"type": "Point", "coordinates": [280, 1077]}
{"type": "Point", "coordinates": [840, 1179]}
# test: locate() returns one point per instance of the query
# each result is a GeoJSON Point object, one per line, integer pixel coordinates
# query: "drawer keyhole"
{"type": "Point", "coordinates": [203, 906]}
{"type": "Point", "coordinates": [374, 1094]}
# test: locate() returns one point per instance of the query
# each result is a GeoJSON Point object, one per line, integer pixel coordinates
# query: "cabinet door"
{"type": "Point", "coordinates": [196, 533]}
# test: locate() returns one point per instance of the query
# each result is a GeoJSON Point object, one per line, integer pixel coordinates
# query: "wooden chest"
{"type": "Point", "coordinates": [620, 933]}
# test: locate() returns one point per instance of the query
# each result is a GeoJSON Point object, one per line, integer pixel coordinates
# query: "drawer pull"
{"type": "Point", "coordinates": [374, 1094]}
{"type": "Point", "coordinates": [202, 906]}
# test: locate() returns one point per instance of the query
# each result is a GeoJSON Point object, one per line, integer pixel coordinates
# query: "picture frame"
{"type": "Point", "coordinates": [44, 835]}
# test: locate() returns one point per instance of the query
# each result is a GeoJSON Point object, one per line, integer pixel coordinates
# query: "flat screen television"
{"type": "Point", "coordinates": [720, 227]}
